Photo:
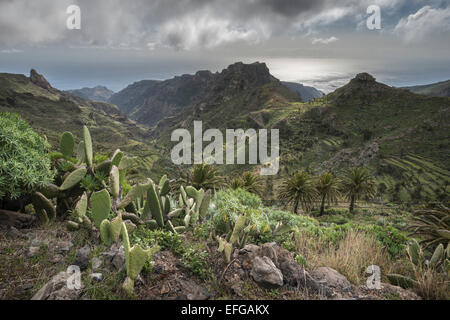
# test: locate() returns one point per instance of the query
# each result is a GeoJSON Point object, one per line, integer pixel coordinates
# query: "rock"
{"type": "Point", "coordinates": [57, 258]}
{"type": "Point", "coordinates": [139, 281]}
{"type": "Point", "coordinates": [57, 289]}
{"type": "Point", "coordinates": [265, 273]}
{"type": "Point", "coordinates": [111, 253]}
{"type": "Point", "coordinates": [192, 291]}
{"type": "Point", "coordinates": [39, 80]}
{"type": "Point", "coordinates": [33, 251]}
{"type": "Point", "coordinates": [269, 250]}
{"type": "Point", "coordinates": [119, 259]}
{"type": "Point", "coordinates": [295, 276]}
{"type": "Point", "coordinates": [247, 254]}
{"type": "Point", "coordinates": [13, 233]}
{"type": "Point", "coordinates": [16, 219]}
{"type": "Point", "coordinates": [82, 259]}
{"type": "Point", "coordinates": [97, 277]}
{"type": "Point", "coordinates": [35, 242]}
{"type": "Point", "coordinates": [21, 289]}
{"type": "Point", "coordinates": [386, 291]}
{"type": "Point", "coordinates": [96, 263]}
{"type": "Point", "coordinates": [364, 76]}
{"type": "Point", "coordinates": [63, 246]}
{"type": "Point", "coordinates": [292, 272]}
{"type": "Point", "coordinates": [331, 278]}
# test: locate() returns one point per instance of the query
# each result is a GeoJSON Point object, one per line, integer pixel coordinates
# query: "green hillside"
{"type": "Point", "coordinates": [51, 112]}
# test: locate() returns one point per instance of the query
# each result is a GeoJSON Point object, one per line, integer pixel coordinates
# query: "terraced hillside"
{"type": "Point", "coordinates": [401, 136]}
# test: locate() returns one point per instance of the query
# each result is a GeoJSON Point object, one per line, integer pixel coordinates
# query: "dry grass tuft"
{"type": "Point", "coordinates": [351, 256]}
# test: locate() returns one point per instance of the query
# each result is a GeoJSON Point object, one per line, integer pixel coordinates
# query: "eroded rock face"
{"type": "Point", "coordinates": [57, 289]}
{"type": "Point", "coordinates": [265, 273]}
{"type": "Point", "coordinates": [364, 76]}
{"type": "Point", "coordinates": [39, 80]}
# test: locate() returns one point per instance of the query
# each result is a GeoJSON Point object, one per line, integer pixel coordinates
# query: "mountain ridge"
{"type": "Point", "coordinates": [436, 89]}
{"type": "Point", "coordinates": [97, 93]}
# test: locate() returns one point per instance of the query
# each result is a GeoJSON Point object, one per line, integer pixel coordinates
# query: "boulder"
{"type": "Point", "coordinates": [265, 273]}
{"type": "Point", "coordinates": [295, 276]}
{"type": "Point", "coordinates": [331, 278]}
{"type": "Point", "coordinates": [119, 259]}
{"type": "Point", "coordinates": [97, 277]}
{"type": "Point", "coordinates": [57, 289]}
{"type": "Point", "coordinates": [82, 259]}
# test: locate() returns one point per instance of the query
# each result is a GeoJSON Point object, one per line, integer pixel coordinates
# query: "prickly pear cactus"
{"type": "Point", "coordinates": [437, 256]}
{"type": "Point", "coordinates": [205, 204]}
{"type": "Point", "coordinates": [81, 207]}
{"type": "Point", "coordinates": [73, 179]}
{"type": "Point", "coordinates": [114, 181]}
{"type": "Point", "coordinates": [100, 206]}
{"type": "Point", "coordinates": [67, 144]}
{"type": "Point", "coordinates": [87, 146]}
{"type": "Point", "coordinates": [163, 186]}
{"type": "Point", "coordinates": [110, 231]}
{"type": "Point", "coordinates": [80, 153]}
{"type": "Point", "coordinates": [135, 258]}
{"type": "Point", "coordinates": [138, 190]}
{"type": "Point", "coordinates": [154, 206]}
{"type": "Point", "coordinates": [116, 157]}
{"type": "Point", "coordinates": [414, 252]}
{"type": "Point", "coordinates": [43, 207]}
{"type": "Point", "coordinates": [401, 281]}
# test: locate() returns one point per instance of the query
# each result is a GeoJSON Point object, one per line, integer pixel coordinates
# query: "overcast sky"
{"type": "Point", "coordinates": [322, 43]}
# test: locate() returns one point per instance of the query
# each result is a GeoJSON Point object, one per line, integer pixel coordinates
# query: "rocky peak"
{"type": "Point", "coordinates": [239, 77]}
{"type": "Point", "coordinates": [364, 76]}
{"type": "Point", "coordinates": [39, 80]}
{"type": "Point", "coordinates": [256, 73]}
{"type": "Point", "coordinates": [204, 74]}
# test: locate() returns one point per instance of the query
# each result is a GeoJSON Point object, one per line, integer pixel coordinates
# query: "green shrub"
{"type": "Point", "coordinates": [165, 239]}
{"type": "Point", "coordinates": [24, 158]}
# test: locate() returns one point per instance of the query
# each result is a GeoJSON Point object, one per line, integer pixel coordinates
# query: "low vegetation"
{"type": "Point", "coordinates": [91, 194]}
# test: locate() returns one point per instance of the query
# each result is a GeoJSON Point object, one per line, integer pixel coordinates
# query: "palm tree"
{"type": "Point", "coordinates": [206, 176]}
{"type": "Point", "coordinates": [298, 189]}
{"type": "Point", "coordinates": [236, 183]}
{"type": "Point", "coordinates": [357, 183]}
{"type": "Point", "coordinates": [252, 183]}
{"type": "Point", "coordinates": [327, 187]}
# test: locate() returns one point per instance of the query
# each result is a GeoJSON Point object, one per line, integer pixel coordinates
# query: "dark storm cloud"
{"type": "Point", "coordinates": [292, 8]}
{"type": "Point", "coordinates": [182, 24]}
{"type": "Point", "coordinates": [321, 42]}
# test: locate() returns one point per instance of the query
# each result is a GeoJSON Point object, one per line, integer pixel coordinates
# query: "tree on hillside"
{"type": "Point", "coordinates": [327, 187]}
{"type": "Point", "coordinates": [298, 189]}
{"type": "Point", "coordinates": [206, 176]}
{"type": "Point", "coordinates": [249, 182]}
{"type": "Point", "coordinates": [356, 184]}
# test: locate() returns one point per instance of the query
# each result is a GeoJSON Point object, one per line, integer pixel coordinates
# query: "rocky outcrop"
{"type": "Point", "coordinates": [39, 80]}
{"type": "Point", "coordinates": [272, 266]}
{"type": "Point", "coordinates": [364, 76]}
{"type": "Point", "coordinates": [265, 273]}
{"type": "Point", "coordinates": [16, 219]}
{"type": "Point", "coordinates": [57, 289]}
